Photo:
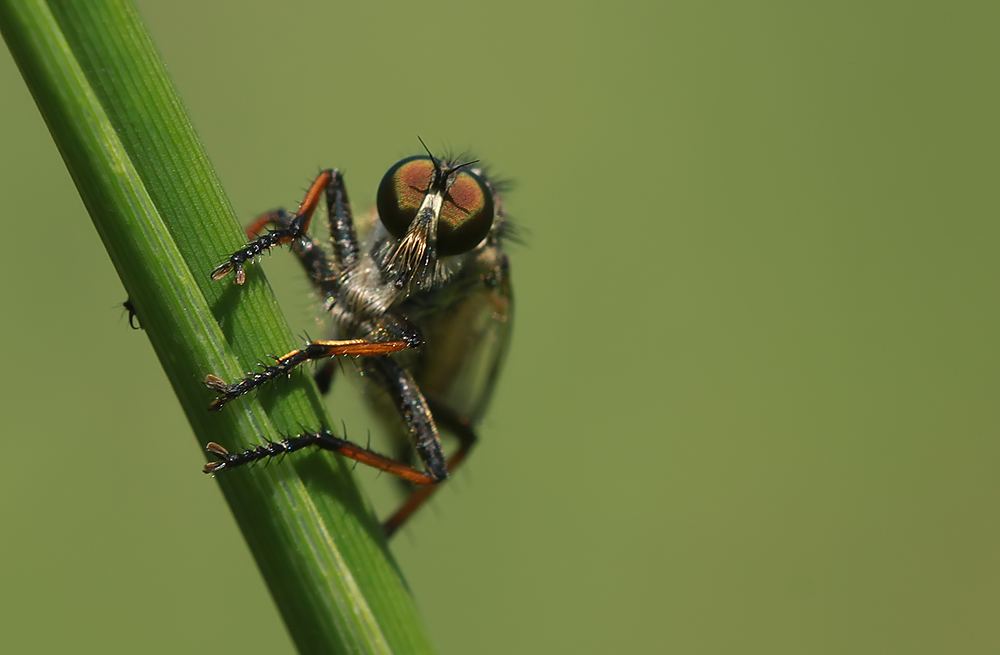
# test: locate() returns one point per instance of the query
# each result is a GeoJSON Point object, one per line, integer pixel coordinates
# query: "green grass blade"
{"type": "Point", "coordinates": [158, 206]}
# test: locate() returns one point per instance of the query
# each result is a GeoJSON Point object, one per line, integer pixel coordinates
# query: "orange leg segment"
{"type": "Point", "coordinates": [287, 363]}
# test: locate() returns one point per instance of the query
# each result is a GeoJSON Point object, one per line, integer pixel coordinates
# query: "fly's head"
{"type": "Point", "coordinates": [432, 209]}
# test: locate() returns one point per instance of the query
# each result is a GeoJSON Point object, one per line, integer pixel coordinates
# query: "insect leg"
{"type": "Point", "coordinates": [462, 429]}
{"type": "Point", "coordinates": [287, 363]}
{"type": "Point", "coordinates": [325, 440]}
{"type": "Point", "coordinates": [296, 228]}
{"type": "Point", "coordinates": [414, 410]}
{"type": "Point", "coordinates": [343, 238]}
{"type": "Point", "coordinates": [393, 378]}
{"type": "Point", "coordinates": [309, 252]}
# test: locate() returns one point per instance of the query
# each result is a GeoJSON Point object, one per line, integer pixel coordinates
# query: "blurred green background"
{"type": "Point", "coordinates": [751, 403]}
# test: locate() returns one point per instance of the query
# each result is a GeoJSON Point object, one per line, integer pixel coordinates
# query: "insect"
{"type": "Point", "coordinates": [133, 316]}
{"type": "Point", "coordinates": [419, 294]}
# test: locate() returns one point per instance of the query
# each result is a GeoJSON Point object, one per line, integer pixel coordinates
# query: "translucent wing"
{"type": "Point", "coordinates": [466, 339]}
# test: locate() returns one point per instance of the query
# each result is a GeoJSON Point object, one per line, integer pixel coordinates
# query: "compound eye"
{"type": "Point", "coordinates": [466, 213]}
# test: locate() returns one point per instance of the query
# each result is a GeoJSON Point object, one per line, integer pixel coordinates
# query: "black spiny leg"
{"type": "Point", "coordinates": [323, 271]}
{"type": "Point", "coordinates": [295, 230]}
{"type": "Point", "coordinates": [325, 440]}
{"type": "Point", "coordinates": [413, 408]}
{"type": "Point", "coordinates": [462, 429]}
{"type": "Point", "coordinates": [289, 362]}
{"type": "Point", "coordinates": [343, 238]}
{"type": "Point", "coordinates": [309, 252]}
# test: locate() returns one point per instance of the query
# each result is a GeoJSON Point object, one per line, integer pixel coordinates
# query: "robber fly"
{"type": "Point", "coordinates": [419, 294]}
